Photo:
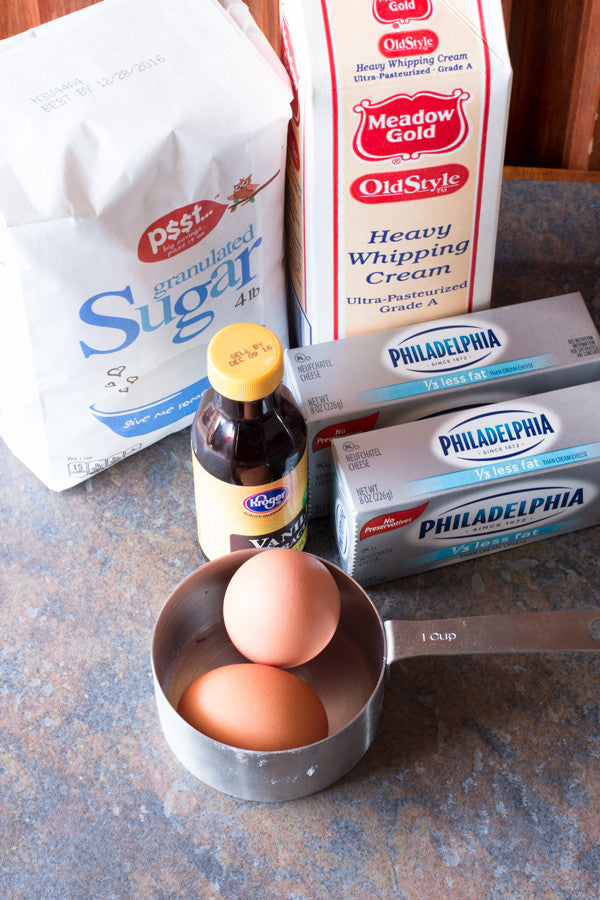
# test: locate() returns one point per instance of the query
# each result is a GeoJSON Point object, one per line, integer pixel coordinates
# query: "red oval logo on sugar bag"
{"type": "Point", "coordinates": [410, 43]}
{"type": "Point", "coordinates": [415, 184]}
{"type": "Point", "coordinates": [407, 126]}
{"type": "Point", "coordinates": [323, 438]}
{"type": "Point", "coordinates": [401, 11]}
{"type": "Point", "coordinates": [179, 230]}
{"type": "Point", "coordinates": [391, 521]}
{"type": "Point", "coordinates": [266, 501]}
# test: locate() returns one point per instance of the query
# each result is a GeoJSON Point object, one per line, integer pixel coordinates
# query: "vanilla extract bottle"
{"type": "Point", "coordinates": [248, 448]}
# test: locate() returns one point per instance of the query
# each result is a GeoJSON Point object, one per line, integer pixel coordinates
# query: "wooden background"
{"type": "Point", "coordinates": [554, 126]}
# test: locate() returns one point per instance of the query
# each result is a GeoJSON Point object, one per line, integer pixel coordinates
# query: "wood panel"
{"type": "Point", "coordinates": [266, 16]}
{"type": "Point", "coordinates": [19, 15]}
{"type": "Point", "coordinates": [555, 53]}
{"type": "Point", "coordinates": [585, 91]}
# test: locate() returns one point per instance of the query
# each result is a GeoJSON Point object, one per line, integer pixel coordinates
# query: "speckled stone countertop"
{"type": "Point", "coordinates": [482, 780]}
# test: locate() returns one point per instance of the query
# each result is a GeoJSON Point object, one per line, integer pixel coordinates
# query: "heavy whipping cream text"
{"type": "Point", "coordinates": [398, 128]}
{"type": "Point", "coordinates": [410, 260]}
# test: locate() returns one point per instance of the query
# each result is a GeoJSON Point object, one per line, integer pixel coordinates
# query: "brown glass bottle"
{"type": "Point", "coordinates": [249, 448]}
{"type": "Point", "coordinates": [249, 443]}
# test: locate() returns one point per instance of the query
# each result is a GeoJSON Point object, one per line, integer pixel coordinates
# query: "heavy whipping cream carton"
{"type": "Point", "coordinates": [395, 157]}
{"type": "Point", "coordinates": [142, 165]}
{"type": "Point", "coordinates": [375, 380]}
{"type": "Point", "coordinates": [426, 494]}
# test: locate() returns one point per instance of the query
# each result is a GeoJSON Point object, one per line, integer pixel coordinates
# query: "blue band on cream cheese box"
{"type": "Point", "coordinates": [424, 494]}
{"type": "Point", "coordinates": [389, 377]}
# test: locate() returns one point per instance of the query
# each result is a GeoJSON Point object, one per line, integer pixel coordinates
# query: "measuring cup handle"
{"type": "Point", "coordinates": [546, 631]}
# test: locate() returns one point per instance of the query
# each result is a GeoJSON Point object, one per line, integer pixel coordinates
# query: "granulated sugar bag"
{"type": "Point", "coordinates": [142, 155]}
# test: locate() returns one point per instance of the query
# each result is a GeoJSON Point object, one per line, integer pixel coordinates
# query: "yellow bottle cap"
{"type": "Point", "coordinates": [245, 362]}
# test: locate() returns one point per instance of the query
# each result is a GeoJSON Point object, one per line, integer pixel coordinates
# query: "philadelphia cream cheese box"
{"type": "Point", "coordinates": [395, 156]}
{"type": "Point", "coordinates": [375, 380]}
{"type": "Point", "coordinates": [426, 494]}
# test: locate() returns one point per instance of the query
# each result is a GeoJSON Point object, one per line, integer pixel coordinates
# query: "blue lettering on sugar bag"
{"type": "Point", "coordinates": [156, 415]}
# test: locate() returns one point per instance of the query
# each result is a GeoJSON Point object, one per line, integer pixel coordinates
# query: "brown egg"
{"type": "Point", "coordinates": [254, 707]}
{"type": "Point", "coordinates": [281, 607]}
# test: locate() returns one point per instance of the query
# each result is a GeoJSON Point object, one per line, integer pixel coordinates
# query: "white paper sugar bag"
{"type": "Point", "coordinates": [142, 157]}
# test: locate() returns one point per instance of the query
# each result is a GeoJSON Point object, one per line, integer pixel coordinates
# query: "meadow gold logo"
{"type": "Point", "coordinates": [407, 126]}
{"type": "Point", "coordinates": [401, 11]}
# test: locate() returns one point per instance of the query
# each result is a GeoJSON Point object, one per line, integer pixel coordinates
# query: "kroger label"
{"type": "Point", "coordinates": [266, 501]}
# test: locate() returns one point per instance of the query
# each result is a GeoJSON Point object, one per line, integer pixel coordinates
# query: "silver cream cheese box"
{"type": "Point", "coordinates": [426, 494]}
{"type": "Point", "coordinates": [375, 380]}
